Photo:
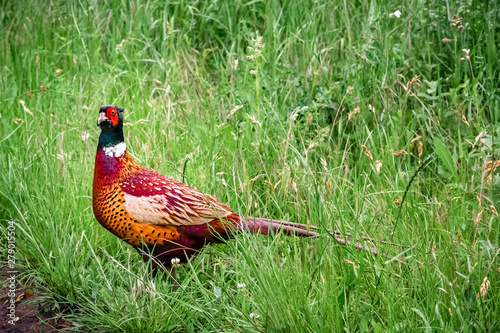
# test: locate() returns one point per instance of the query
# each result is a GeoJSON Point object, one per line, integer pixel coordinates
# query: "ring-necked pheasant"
{"type": "Point", "coordinates": [149, 210]}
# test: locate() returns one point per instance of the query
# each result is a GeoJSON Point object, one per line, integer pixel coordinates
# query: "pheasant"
{"type": "Point", "coordinates": [159, 216]}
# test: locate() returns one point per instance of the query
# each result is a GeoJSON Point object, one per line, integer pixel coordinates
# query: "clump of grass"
{"type": "Point", "coordinates": [284, 134]}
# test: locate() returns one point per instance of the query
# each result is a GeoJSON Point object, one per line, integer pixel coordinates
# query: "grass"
{"type": "Point", "coordinates": [293, 151]}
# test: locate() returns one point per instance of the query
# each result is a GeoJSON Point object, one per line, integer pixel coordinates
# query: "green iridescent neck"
{"type": "Point", "coordinates": [111, 138]}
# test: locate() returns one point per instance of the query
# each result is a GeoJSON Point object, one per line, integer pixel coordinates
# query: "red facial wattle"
{"type": "Point", "coordinates": [112, 114]}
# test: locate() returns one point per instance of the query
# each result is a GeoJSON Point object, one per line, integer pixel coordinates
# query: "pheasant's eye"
{"type": "Point", "coordinates": [113, 112]}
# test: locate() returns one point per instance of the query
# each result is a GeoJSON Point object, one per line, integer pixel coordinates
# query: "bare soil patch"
{"type": "Point", "coordinates": [30, 313]}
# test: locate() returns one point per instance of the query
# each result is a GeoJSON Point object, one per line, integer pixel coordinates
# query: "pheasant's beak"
{"type": "Point", "coordinates": [102, 117]}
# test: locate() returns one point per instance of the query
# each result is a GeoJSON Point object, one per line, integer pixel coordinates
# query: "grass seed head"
{"type": "Point", "coordinates": [483, 290]}
{"type": "Point", "coordinates": [329, 186]}
{"type": "Point", "coordinates": [85, 136]}
{"type": "Point", "coordinates": [25, 108]}
{"type": "Point", "coordinates": [456, 21]}
{"type": "Point", "coordinates": [412, 142]}
{"type": "Point", "coordinates": [233, 111]}
{"type": "Point", "coordinates": [464, 120]}
{"type": "Point", "coordinates": [351, 114]}
{"type": "Point", "coordinates": [489, 169]}
{"type": "Point", "coordinates": [367, 152]}
{"type": "Point", "coordinates": [399, 152]}
{"type": "Point", "coordinates": [479, 217]}
{"type": "Point", "coordinates": [480, 135]}
{"type": "Point", "coordinates": [414, 81]}
{"type": "Point", "coordinates": [255, 121]}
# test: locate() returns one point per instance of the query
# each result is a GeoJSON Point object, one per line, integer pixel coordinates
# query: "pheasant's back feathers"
{"type": "Point", "coordinates": [154, 198]}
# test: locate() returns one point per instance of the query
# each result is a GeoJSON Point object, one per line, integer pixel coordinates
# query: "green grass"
{"type": "Point", "coordinates": [293, 151]}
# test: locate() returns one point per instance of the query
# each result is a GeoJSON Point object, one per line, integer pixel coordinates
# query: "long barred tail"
{"type": "Point", "coordinates": [266, 226]}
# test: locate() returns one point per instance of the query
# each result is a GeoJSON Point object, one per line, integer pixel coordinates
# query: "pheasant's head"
{"type": "Point", "coordinates": [111, 123]}
{"type": "Point", "coordinates": [110, 118]}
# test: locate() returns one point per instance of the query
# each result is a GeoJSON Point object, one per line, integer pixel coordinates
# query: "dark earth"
{"type": "Point", "coordinates": [31, 316]}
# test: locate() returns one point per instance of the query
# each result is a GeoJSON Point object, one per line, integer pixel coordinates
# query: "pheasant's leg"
{"type": "Point", "coordinates": [175, 285]}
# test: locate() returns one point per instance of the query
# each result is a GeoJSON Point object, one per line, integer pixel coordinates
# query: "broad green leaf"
{"type": "Point", "coordinates": [444, 155]}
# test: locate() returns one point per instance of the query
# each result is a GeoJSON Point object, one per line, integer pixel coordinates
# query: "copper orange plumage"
{"type": "Point", "coordinates": [158, 215]}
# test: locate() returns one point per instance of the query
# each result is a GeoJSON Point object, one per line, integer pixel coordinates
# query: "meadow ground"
{"type": "Point", "coordinates": [378, 118]}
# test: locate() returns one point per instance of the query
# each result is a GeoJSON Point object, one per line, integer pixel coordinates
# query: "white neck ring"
{"type": "Point", "coordinates": [116, 151]}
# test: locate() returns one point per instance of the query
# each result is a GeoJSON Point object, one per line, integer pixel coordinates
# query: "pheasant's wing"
{"type": "Point", "coordinates": [153, 198]}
